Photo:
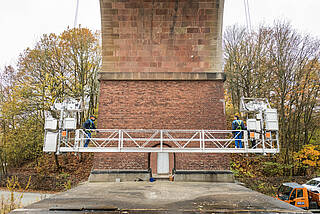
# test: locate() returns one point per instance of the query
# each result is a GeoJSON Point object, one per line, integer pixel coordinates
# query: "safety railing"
{"type": "Point", "coordinates": [202, 141]}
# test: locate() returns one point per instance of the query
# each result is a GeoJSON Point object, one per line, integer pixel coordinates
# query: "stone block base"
{"type": "Point", "coordinates": [119, 175]}
{"type": "Point", "coordinates": [224, 176]}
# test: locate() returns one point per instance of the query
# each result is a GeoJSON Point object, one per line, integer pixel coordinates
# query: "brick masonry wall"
{"type": "Point", "coordinates": [202, 161]}
{"type": "Point", "coordinates": [161, 35]}
{"type": "Point", "coordinates": [161, 105]}
{"type": "Point", "coordinates": [108, 161]}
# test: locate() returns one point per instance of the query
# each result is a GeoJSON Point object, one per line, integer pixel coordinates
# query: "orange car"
{"type": "Point", "coordinates": [294, 194]}
{"type": "Point", "coordinates": [297, 195]}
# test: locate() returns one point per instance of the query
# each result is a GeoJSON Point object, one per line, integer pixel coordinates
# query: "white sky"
{"type": "Point", "coordinates": [22, 22]}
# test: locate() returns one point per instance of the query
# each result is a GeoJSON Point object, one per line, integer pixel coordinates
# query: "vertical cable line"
{"type": "Point", "coordinates": [76, 15]}
{"type": "Point", "coordinates": [247, 14]}
{"type": "Point", "coordinates": [245, 11]}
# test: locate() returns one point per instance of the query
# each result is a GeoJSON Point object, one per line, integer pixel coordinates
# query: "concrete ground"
{"type": "Point", "coordinates": [160, 197]}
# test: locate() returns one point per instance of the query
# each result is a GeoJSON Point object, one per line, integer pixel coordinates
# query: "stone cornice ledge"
{"type": "Point", "coordinates": [196, 76]}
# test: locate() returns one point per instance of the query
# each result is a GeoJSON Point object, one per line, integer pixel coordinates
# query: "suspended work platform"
{"type": "Point", "coordinates": [261, 135]}
{"type": "Point", "coordinates": [142, 140]}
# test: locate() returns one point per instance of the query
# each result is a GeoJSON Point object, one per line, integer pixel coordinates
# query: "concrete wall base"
{"type": "Point", "coordinates": [224, 176]}
{"type": "Point", "coordinates": [119, 175]}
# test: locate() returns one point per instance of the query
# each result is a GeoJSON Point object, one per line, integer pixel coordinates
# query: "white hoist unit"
{"type": "Point", "coordinates": [56, 131]}
{"type": "Point", "coordinates": [262, 122]}
{"type": "Point", "coordinates": [261, 137]}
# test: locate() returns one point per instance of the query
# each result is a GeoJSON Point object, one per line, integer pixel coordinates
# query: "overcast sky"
{"type": "Point", "coordinates": [23, 22]}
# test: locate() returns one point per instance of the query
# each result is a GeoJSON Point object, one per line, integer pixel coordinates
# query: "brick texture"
{"type": "Point", "coordinates": [161, 105]}
{"type": "Point", "coordinates": [161, 35]}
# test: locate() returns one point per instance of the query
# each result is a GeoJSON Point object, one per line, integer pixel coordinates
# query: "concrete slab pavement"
{"type": "Point", "coordinates": [160, 197]}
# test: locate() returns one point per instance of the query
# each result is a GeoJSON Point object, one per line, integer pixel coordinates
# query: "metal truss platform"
{"type": "Point", "coordinates": [177, 141]}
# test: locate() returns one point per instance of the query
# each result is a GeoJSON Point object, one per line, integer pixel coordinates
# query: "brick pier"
{"type": "Point", "coordinates": [162, 69]}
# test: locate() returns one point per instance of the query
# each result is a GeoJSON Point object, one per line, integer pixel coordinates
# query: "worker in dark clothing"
{"type": "Point", "coordinates": [88, 125]}
{"type": "Point", "coordinates": [238, 124]}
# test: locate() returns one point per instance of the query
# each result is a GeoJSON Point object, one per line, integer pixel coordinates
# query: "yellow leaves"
{"type": "Point", "coordinates": [309, 163]}
{"type": "Point", "coordinates": [308, 156]}
{"type": "Point", "coordinates": [229, 108]}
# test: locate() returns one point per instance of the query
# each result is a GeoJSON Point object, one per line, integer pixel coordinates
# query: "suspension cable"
{"type": "Point", "coordinates": [76, 15]}
{"type": "Point", "coordinates": [247, 14]}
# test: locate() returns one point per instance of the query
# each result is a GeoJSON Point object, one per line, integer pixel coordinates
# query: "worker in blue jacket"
{"type": "Point", "coordinates": [238, 124]}
{"type": "Point", "coordinates": [88, 125]}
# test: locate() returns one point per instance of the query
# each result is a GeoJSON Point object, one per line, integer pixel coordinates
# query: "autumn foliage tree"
{"type": "Point", "coordinates": [308, 158]}
{"type": "Point", "coordinates": [59, 66]}
{"type": "Point", "coordinates": [278, 63]}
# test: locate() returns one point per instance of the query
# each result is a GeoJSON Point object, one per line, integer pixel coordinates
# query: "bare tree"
{"type": "Point", "coordinates": [245, 59]}
{"type": "Point", "coordinates": [282, 65]}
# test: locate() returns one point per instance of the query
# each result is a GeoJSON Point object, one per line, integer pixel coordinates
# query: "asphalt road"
{"type": "Point", "coordinates": [27, 197]}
